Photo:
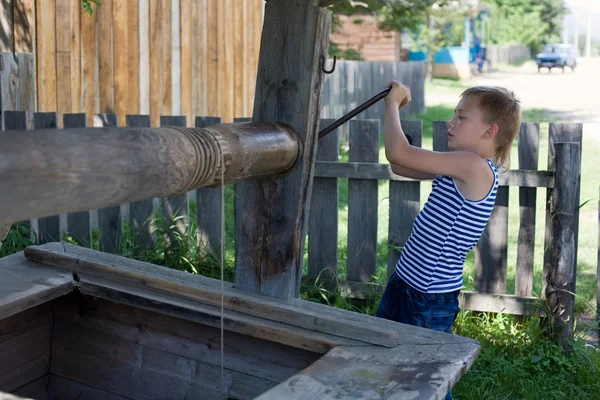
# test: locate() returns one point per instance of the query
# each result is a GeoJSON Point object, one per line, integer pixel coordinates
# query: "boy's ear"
{"type": "Point", "coordinates": [491, 132]}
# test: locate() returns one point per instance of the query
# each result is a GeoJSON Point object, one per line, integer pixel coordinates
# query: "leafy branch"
{"type": "Point", "coordinates": [87, 6]}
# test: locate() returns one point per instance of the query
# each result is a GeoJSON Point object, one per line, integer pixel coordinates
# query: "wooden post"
{"type": "Point", "coordinates": [288, 89]}
{"type": "Point", "coordinates": [560, 273]}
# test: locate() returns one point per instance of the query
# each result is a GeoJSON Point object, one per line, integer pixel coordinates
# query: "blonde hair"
{"type": "Point", "coordinates": [499, 106]}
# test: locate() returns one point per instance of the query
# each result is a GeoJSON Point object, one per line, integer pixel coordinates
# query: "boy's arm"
{"type": "Point", "coordinates": [410, 173]}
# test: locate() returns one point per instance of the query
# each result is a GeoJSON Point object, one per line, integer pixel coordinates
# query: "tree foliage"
{"type": "Point", "coordinates": [87, 5]}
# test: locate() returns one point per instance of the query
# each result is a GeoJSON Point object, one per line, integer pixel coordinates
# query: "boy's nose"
{"type": "Point", "coordinates": [449, 123]}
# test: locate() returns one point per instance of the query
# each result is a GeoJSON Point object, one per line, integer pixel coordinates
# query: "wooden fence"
{"type": "Point", "coordinates": [363, 172]}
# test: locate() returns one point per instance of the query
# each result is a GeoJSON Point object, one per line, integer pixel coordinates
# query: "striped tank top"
{"type": "Point", "coordinates": [445, 230]}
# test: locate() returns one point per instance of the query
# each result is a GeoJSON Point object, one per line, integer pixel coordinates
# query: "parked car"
{"type": "Point", "coordinates": [557, 56]}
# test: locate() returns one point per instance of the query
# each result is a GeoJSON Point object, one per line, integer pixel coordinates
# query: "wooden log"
{"type": "Point", "coordinates": [72, 174]}
{"type": "Point", "coordinates": [276, 209]}
{"type": "Point", "coordinates": [362, 203]}
{"type": "Point", "coordinates": [405, 202]}
{"type": "Point", "coordinates": [560, 273]}
{"type": "Point", "coordinates": [323, 220]}
{"type": "Point", "coordinates": [529, 138]}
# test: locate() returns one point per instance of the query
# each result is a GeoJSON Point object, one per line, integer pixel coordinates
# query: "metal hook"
{"type": "Point", "coordinates": [323, 65]}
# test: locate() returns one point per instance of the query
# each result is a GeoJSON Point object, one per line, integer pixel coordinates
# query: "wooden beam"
{"type": "Point", "coordinates": [288, 90]}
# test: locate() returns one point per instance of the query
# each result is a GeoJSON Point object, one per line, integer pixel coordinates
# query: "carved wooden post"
{"type": "Point", "coordinates": [288, 89]}
{"type": "Point", "coordinates": [560, 274]}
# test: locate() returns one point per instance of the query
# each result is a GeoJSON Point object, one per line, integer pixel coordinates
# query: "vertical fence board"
{"type": "Point", "coordinates": [88, 63]}
{"type": "Point", "coordinates": [405, 202]}
{"type": "Point", "coordinates": [109, 218]}
{"type": "Point", "coordinates": [560, 132]}
{"type": "Point", "coordinates": [133, 58]}
{"type": "Point", "coordinates": [238, 59]}
{"type": "Point", "coordinates": [175, 206]}
{"type": "Point", "coordinates": [141, 212]}
{"type": "Point", "coordinates": [323, 218]}
{"type": "Point", "coordinates": [166, 74]}
{"type": "Point", "coordinates": [208, 206]}
{"type": "Point", "coordinates": [186, 58]}
{"type": "Point", "coordinates": [75, 60]}
{"type": "Point", "coordinates": [528, 159]}
{"type": "Point", "coordinates": [24, 27]}
{"type": "Point", "coordinates": [213, 59]}
{"type": "Point", "coordinates": [48, 227]}
{"type": "Point", "coordinates": [227, 61]}
{"type": "Point", "coordinates": [104, 39]}
{"type": "Point", "coordinates": [120, 14]}
{"type": "Point", "coordinates": [156, 54]}
{"type": "Point", "coordinates": [46, 54]}
{"type": "Point", "coordinates": [77, 223]}
{"type": "Point", "coordinates": [362, 203]}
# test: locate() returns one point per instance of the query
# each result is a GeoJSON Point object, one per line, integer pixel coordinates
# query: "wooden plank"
{"type": "Point", "coordinates": [20, 292]}
{"type": "Point", "coordinates": [187, 55]}
{"type": "Point", "coordinates": [120, 18]}
{"type": "Point", "coordinates": [228, 61]}
{"type": "Point", "coordinates": [20, 350]}
{"type": "Point", "coordinates": [328, 169]}
{"type": "Point", "coordinates": [46, 55]}
{"type": "Point", "coordinates": [133, 58]}
{"type": "Point", "coordinates": [209, 207]}
{"type": "Point", "coordinates": [75, 53]}
{"type": "Point", "coordinates": [33, 390]}
{"type": "Point", "coordinates": [405, 202]}
{"type": "Point", "coordinates": [109, 218]}
{"type": "Point", "coordinates": [25, 320]}
{"type": "Point", "coordinates": [7, 27]}
{"type": "Point", "coordinates": [27, 372]}
{"type": "Point", "coordinates": [323, 219]}
{"type": "Point", "coordinates": [175, 51]}
{"type": "Point", "coordinates": [175, 208]}
{"type": "Point", "coordinates": [88, 62]}
{"type": "Point", "coordinates": [166, 59]}
{"type": "Point", "coordinates": [491, 252]}
{"type": "Point", "coordinates": [63, 92]}
{"type": "Point", "coordinates": [237, 50]}
{"type": "Point", "coordinates": [8, 83]}
{"type": "Point", "coordinates": [271, 247]}
{"type": "Point", "coordinates": [213, 59]}
{"type": "Point", "coordinates": [63, 26]}
{"type": "Point", "coordinates": [199, 80]}
{"type": "Point", "coordinates": [529, 138]}
{"type": "Point", "coordinates": [60, 387]}
{"type": "Point", "coordinates": [24, 26]}
{"type": "Point", "coordinates": [48, 227]}
{"type": "Point", "coordinates": [222, 62]}
{"type": "Point", "coordinates": [145, 59]}
{"type": "Point", "coordinates": [253, 51]}
{"type": "Point", "coordinates": [77, 223]}
{"type": "Point", "coordinates": [362, 203]}
{"type": "Point", "coordinates": [197, 288]}
{"type": "Point", "coordinates": [163, 335]}
{"type": "Point", "coordinates": [560, 132]}
{"type": "Point", "coordinates": [560, 278]}
{"type": "Point", "coordinates": [358, 373]}
{"type": "Point", "coordinates": [156, 44]}
{"type": "Point", "coordinates": [142, 211]}
{"type": "Point", "coordinates": [105, 39]}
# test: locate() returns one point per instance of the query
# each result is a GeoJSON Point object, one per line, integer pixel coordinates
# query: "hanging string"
{"type": "Point", "coordinates": [222, 268]}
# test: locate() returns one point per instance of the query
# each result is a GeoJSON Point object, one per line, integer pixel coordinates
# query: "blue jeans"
{"type": "Point", "coordinates": [403, 303]}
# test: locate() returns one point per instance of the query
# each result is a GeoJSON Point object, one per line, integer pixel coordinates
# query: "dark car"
{"type": "Point", "coordinates": [557, 56]}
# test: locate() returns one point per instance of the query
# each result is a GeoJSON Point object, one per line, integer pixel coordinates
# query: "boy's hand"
{"type": "Point", "coordinates": [400, 94]}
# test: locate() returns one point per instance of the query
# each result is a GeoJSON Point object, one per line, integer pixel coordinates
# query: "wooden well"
{"type": "Point", "coordinates": [78, 323]}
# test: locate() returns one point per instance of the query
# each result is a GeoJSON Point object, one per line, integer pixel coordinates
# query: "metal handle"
{"type": "Point", "coordinates": [354, 112]}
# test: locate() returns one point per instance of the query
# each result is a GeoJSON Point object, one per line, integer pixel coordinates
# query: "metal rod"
{"type": "Point", "coordinates": [354, 112]}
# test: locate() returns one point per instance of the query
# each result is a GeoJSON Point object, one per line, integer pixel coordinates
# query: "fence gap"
{"type": "Point", "coordinates": [323, 219]}
{"type": "Point", "coordinates": [405, 202]}
{"type": "Point", "coordinates": [362, 203]}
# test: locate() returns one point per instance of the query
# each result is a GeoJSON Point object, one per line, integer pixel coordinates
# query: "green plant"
{"type": "Point", "coordinates": [87, 5]}
{"type": "Point", "coordinates": [19, 236]}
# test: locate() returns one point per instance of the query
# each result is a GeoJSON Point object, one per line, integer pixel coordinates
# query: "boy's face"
{"type": "Point", "coordinates": [467, 127]}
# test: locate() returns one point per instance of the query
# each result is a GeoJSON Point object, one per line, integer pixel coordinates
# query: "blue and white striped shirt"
{"type": "Point", "coordinates": [445, 230]}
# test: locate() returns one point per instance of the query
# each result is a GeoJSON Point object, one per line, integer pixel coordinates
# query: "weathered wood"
{"type": "Point", "coordinates": [557, 133]}
{"type": "Point", "coordinates": [26, 320]}
{"type": "Point", "coordinates": [20, 291]}
{"type": "Point", "coordinates": [405, 372]}
{"type": "Point", "coordinates": [88, 64]}
{"type": "Point", "coordinates": [440, 136]}
{"type": "Point", "coordinates": [33, 390]}
{"type": "Point", "coordinates": [45, 12]}
{"type": "Point", "coordinates": [25, 357]}
{"type": "Point", "coordinates": [22, 374]}
{"type": "Point", "coordinates": [276, 208]}
{"type": "Point", "coordinates": [529, 138]}
{"type": "Point", "coordinates": [104, 57]}
{"type": "Point", "coordinates": [120, 18]}
{"type": "Point", "coordinates": [405, 202]}
{"type": "Point", "coordinates": [6, 27]}
{"type": "Point", "coordinates": [153, 162]}
{"type": "Point", "coordinates": [76, 80]}
{"type": "Point", "coordinates": [362, 203]}
{"type": "Point", "coordinates": [329, 169]}
{"type": "Point", "coordinates": [560, 273]}
{"type": "Point", "coordinates": [133, 57]}
{"type": "Point", "coordinates": [175, 208]}
{"type": "Point", "coordinates": [24, 28]}
{"type": "Point", "coordinates": [238, 210]}
{"type": "Point", "coordinates": [17, 89]}
{"type": "Point", "coordinates": [208, 207]}
{"type": "Point", "coordinates": [323, 219]}
{"type": "Point", "coordinates": [165, 334]}
{"type": "Point", "coordinates": [180, 285]}
{"type": "Point", "coordinates": [491, 252]}
{"type": "Point", "coordinates": [60, 387]}
{"type": "Point", "coordinates": [48, 227]}
{"type": "Point", "coordinates": [77, 223]}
